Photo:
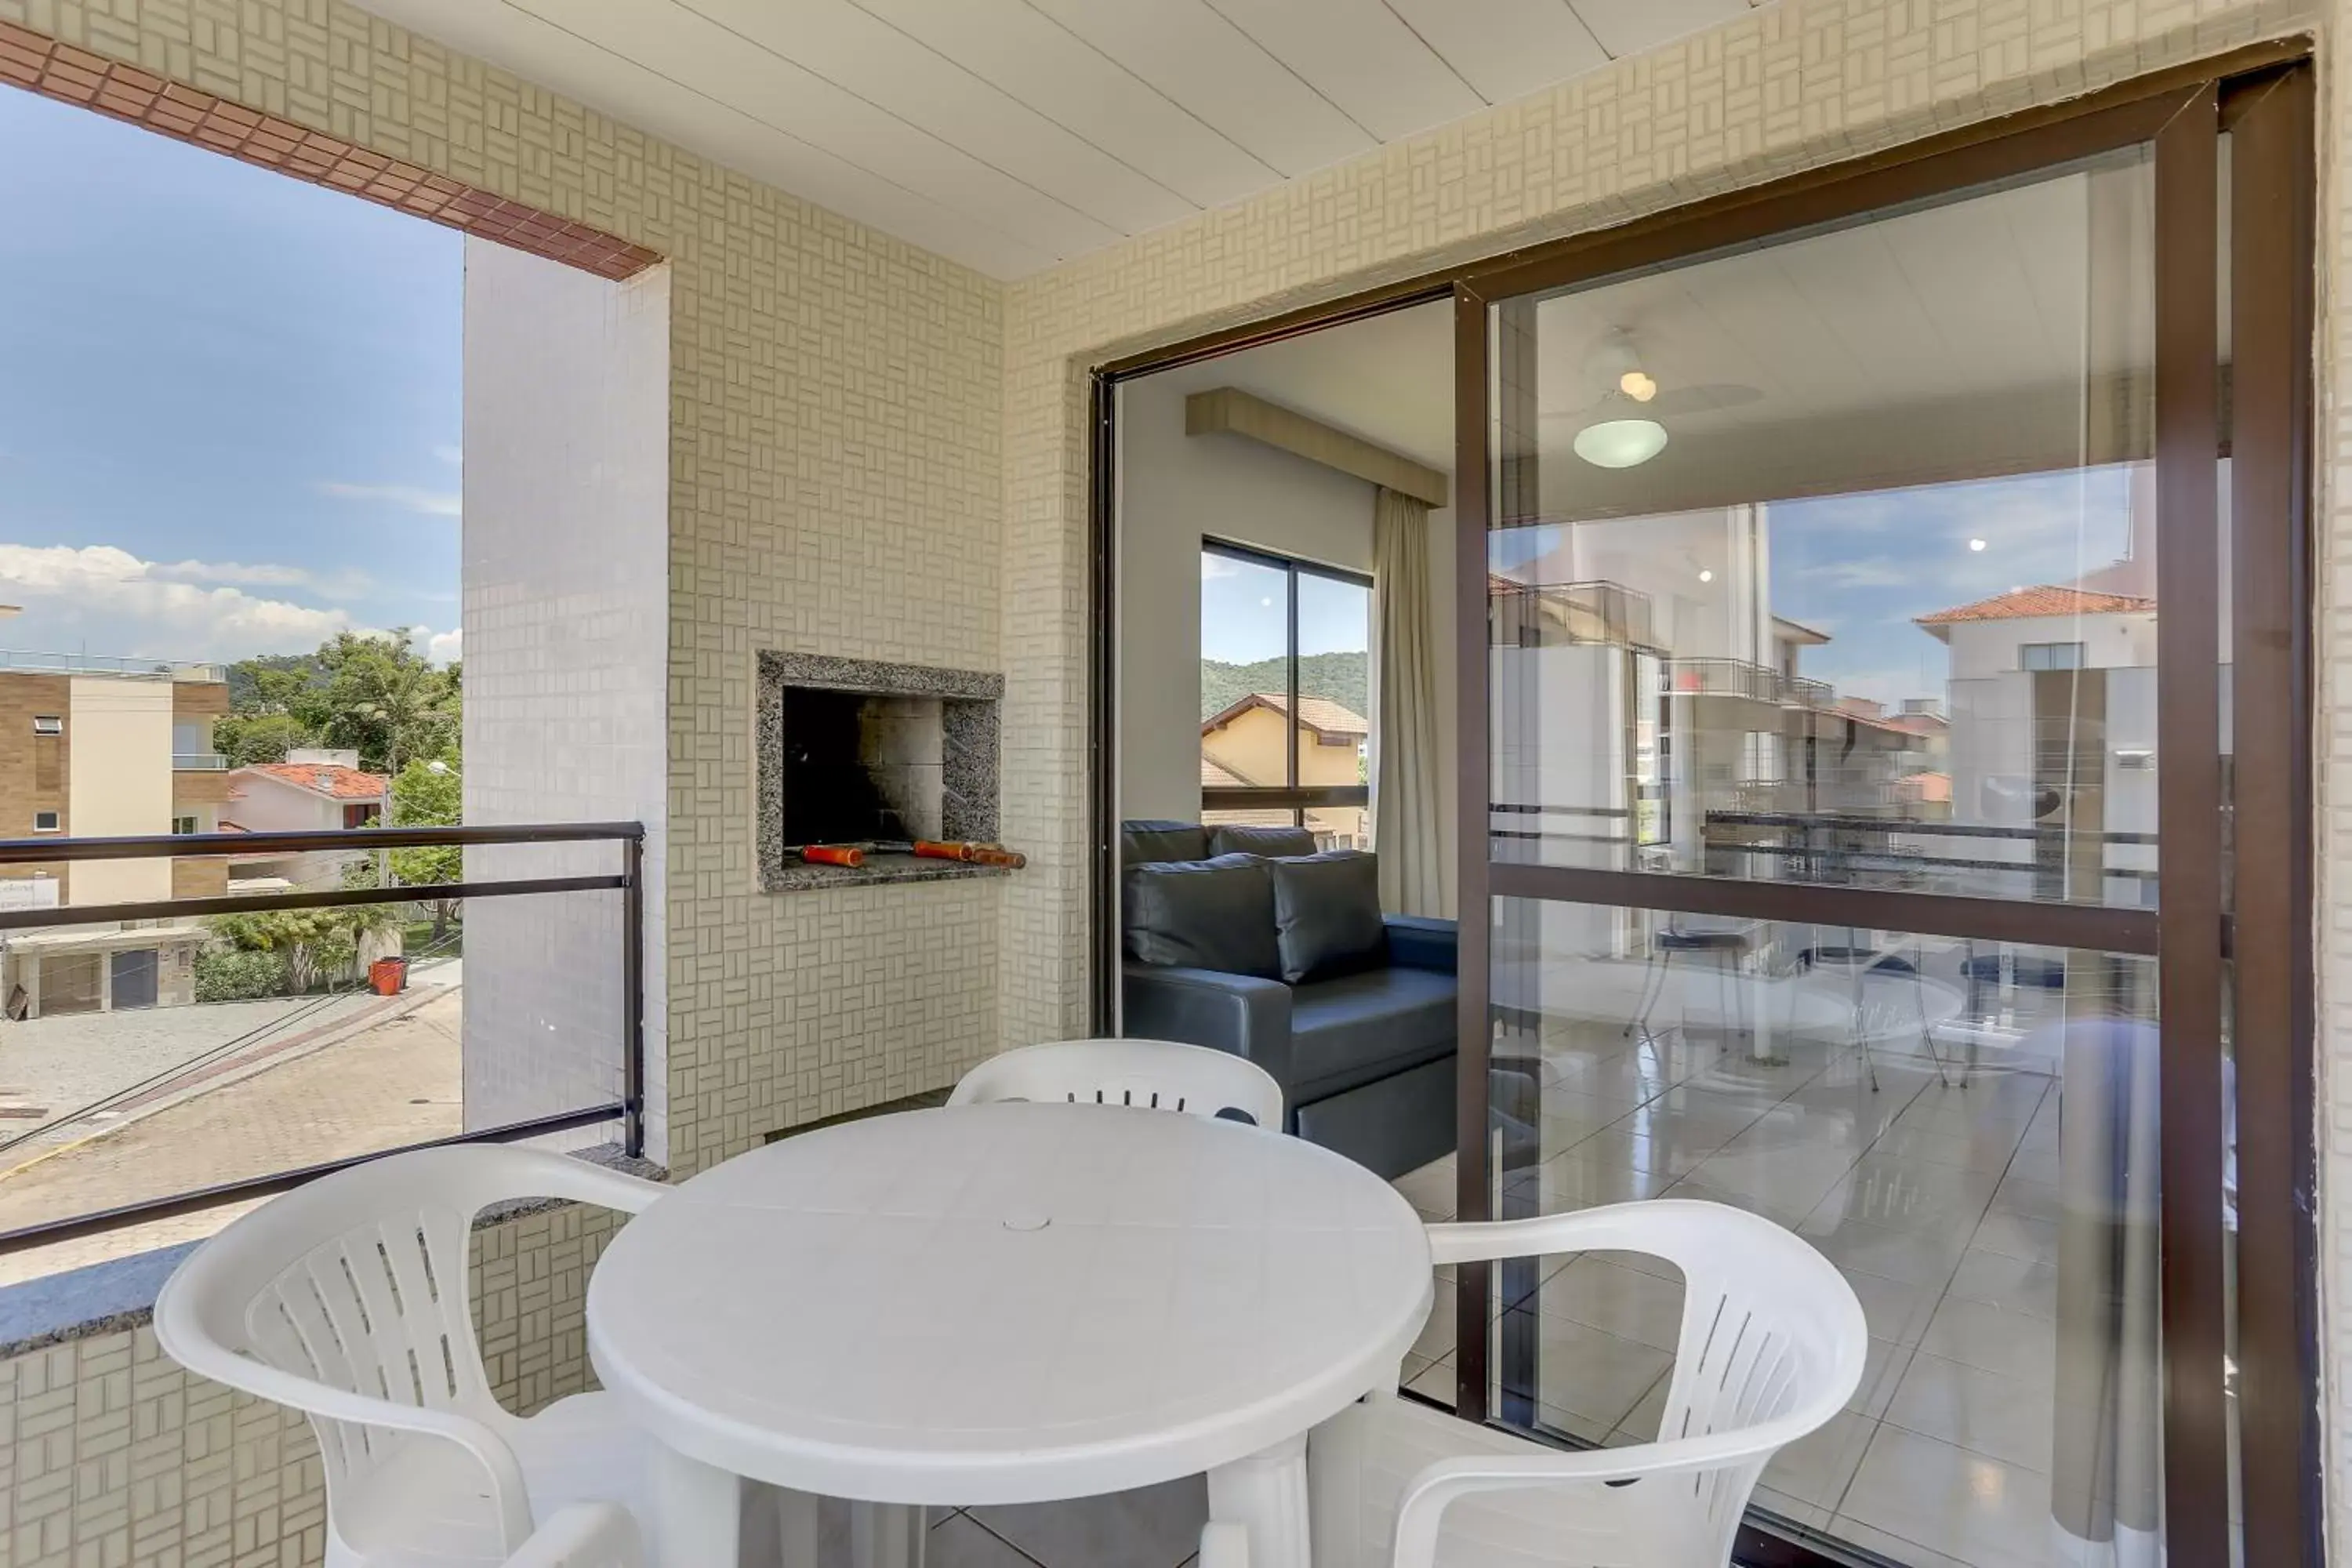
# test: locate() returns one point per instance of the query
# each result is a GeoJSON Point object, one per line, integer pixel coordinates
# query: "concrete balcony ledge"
{"type": "Point", "coordinates": [119, 1293]}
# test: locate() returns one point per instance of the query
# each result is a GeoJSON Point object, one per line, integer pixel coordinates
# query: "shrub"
{"type": "Point", "coordinates": [237, 974]}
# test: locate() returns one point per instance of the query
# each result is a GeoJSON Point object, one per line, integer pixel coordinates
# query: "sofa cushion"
{"type": "Point", "coordinates": [1327, 914]}
{"type": "Point", "coordinates": [1147, 840]}
{"type": "Point", "coordinates": [1234, 839]}
{"type": "Point", "coordinates": [1359, 1027]}
{"type": "Point", "coordinates": [1203, 914]}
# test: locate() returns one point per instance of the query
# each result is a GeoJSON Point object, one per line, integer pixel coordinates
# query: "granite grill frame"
{"type": "Point", "coordinates": [970, 704]}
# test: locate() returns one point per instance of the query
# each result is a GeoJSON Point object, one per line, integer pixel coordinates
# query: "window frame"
{"type": "Point", "coordinates": [48, 725]}
{"type": "Point", "coordinates": [2025, 663]}
{"type": "Point", "coordinates": [57, 822]}
{"type": "Point", "coordinates": [1290, 794]}
{"type": "Point", "coordinates": [194, 825]}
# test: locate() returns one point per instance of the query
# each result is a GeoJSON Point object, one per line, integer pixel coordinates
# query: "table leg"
{"type": "Point", "coordinates": [700, 1513]}
{"type": "Point", "coordinates": [885, 1535]}
{"type": "Point", "coordinates": [1267, 1495]}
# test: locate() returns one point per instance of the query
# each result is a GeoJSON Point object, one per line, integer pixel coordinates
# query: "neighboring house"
{"type": "Point", "coordinates": [1246, 743]}
{"type": "Point", "coordinates": [310, 792]}
{"type": "Point", "coordinates": [90, 748]}
{"type": "Point", "coordinates": [2052, 723]}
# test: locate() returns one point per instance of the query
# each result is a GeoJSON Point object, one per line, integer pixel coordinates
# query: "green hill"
{"type": "Point", "coordinates": [1344, 678]}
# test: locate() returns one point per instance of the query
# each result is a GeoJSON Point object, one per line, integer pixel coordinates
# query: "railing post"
{"type": "Point", "coordinates": [633, 979]}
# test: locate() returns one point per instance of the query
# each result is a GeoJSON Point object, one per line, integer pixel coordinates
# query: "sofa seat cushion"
{"type": "Point", "coordinates": [1358, 1027]}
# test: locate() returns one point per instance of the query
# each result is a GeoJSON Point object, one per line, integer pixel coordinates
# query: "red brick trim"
{"type": "Point", "coordinates": [63, 72]}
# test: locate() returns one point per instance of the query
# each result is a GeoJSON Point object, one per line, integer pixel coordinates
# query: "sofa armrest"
{"type": "Point", "coordinates": [1236, 1013]}
{"type": "Point", "coordinates": [1417, 941]}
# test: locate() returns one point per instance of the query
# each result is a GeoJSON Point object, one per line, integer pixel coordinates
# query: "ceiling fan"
{"type": "Point", "coordinates": [1619, 428]}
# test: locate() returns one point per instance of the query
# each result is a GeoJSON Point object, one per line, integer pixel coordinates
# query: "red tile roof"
{"type": "Point", "coordinates": [2027, 604]}
{"type": "Point", "coordinates": [326, 778]}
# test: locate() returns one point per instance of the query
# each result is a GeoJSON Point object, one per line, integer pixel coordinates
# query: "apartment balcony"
{"type": "Point", "coordinates": [25, 662]}
{"type": "Point", "coordinates": [1539, 615]}
{"type": "Point", "coordinates": [199, 762]}
{"type": "Point", "coordinates": [1735, 678]}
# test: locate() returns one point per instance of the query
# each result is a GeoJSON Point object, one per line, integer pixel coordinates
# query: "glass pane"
{"type": "Point", "coordinates": [1832, 560]}
{"type": "Point", "coordinates": [1967, 1128]}
{"type": "Point", "coordinates": [1244, 672]}
{"type": "Point", "coordinates": [1333, 726]}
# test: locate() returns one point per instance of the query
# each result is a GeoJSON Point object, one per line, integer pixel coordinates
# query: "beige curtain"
{"type": "Point", "coordinates": [1405, 827]}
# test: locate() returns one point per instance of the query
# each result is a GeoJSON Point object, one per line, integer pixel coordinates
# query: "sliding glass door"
{"type": "Point", "coordinates": [1887, 591]}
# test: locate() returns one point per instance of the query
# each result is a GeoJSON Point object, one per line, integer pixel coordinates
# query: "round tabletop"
{"type": "Point", "coordinates": [1007, 1303]}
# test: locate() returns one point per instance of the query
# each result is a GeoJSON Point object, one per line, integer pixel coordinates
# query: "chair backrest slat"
{"type": "Point", "coordinates": [1160, 1075]}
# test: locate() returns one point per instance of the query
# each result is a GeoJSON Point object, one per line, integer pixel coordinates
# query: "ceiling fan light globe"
{"type": "Point", "coordinates": [1620, 443]}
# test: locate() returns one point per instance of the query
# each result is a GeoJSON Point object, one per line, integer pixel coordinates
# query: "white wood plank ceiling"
{"type": "Point", "coordinates": [1011, 134]}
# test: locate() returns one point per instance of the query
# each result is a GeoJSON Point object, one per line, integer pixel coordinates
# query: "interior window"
{"type": "Point", "coordinates": [1286, 699]}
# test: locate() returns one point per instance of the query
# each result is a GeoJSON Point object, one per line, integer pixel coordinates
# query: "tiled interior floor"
{"type": "Point", "coordinates": [1937, 1202]}
{"type": "Point", "coordinates": [1940, 1205]}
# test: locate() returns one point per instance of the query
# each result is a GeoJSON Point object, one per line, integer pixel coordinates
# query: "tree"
{"type": "Point", "coordinates": [383, 700]}
{"type": "Point", "coordinates": [375, 695]}
{"type": "Point", "coordinates": [314, 944]}
{"type": "Point", "coordinates": [430, 794]}
{"type": "Point", "coordinates": [246, 739]}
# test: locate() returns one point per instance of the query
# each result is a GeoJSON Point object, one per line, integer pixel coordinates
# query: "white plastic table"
{"type": "Point", "coordinates": [1006, 1303]}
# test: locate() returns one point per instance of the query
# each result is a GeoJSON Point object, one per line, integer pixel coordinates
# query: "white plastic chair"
{"type": "Point", "coordinates": [584, 1535]}
{"type": "Point", "coordinates": [1772, 1345]}
{"type": "Point", "coordinates": [347, 1299]}
{"type": "Point", "coordinates": [1161, 1074]}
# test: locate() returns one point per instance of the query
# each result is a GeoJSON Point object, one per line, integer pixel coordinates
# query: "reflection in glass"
{"type": "Point", "coordinates": [1897, 1099]}
{"type": "Point", "coordinates": [1882, 611]}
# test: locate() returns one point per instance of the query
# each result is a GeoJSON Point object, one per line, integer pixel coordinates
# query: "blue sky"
{"type": "Point", "coordinates": [1861, 567]}
{"type": "Point", "coordinates": [1243, 614]}
{"type": "Point", "coordinates": [229, 401]}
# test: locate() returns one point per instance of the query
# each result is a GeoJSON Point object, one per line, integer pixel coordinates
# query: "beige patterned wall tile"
{"type": "Point", "coordinates": [879, 454]}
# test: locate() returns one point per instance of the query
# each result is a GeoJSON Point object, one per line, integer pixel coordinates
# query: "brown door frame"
{"type": "Point", "coordinates": [2269, 112]}
{"type": "Point", "coordinates": [2263, 95]}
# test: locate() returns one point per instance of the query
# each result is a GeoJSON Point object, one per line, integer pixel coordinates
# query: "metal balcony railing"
{"type": "Point", "coordinates": [107, 664]}
{"type": "Point", "coordinates": [628, 882]}
{"type": "Point", "coordinates": [1722, 677]}
{"type": "Point", "coordinates": [1803, 691]}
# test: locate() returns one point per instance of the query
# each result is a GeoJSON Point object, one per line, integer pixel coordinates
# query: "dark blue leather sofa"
{"type": "Point", "coordinates": [1366, 1060]}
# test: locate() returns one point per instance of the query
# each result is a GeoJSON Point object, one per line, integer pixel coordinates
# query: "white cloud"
{"type": "Point", "coordinates": [175, 610]}
{"type": "Point", "coordinates": [407, 498]}
{"type": "Point", "coordinates": [446, 647]}
{"type": "Point", "coordinates": [1878, 572]}
{"type": "Point", "coordinates": [345, 584]}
